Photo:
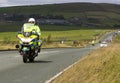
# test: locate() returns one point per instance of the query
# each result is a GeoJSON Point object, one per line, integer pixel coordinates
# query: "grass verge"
{"type": "Point", "coordinates": [7, 46]}
{"type": "Point", "coordinates": [100, 66]}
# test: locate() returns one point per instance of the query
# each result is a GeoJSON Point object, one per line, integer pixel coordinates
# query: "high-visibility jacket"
{"type": "Point", "coordinates": [28, 27]}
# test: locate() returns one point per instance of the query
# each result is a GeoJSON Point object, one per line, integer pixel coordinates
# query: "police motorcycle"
{"type": "Point", "coordinates": [28, 45]}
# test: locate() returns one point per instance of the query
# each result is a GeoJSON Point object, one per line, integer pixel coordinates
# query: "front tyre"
{"type": "Point", "coordinates": [24, 58]}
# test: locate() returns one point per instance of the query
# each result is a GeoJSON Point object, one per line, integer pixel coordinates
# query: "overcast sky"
{"type": "Point", "coordinates": [38, 2]}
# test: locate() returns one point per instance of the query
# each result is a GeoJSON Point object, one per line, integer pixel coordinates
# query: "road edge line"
{"type": "Point", "coordinates": [58, 74]}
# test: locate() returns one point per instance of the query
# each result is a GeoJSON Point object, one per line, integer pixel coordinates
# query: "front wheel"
{"type": "Point", "coordinates": [24, 58]}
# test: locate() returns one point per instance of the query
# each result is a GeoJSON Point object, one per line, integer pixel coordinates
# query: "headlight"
{"type": "Point", "coordinates": [26, 40]}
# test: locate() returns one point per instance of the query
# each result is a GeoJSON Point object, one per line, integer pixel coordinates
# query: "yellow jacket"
{"type": "Point", "coordinates": [28, 27]}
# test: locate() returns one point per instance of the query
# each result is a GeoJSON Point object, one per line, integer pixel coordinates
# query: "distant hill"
{"type": "Point", "coordinates": [88, 13]}
{"type": "Point", "coordinates": [64, 8]}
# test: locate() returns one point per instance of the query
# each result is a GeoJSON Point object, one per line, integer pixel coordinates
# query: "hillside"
{"type": "Point", "coordinates": [62, 8]}
{"type": "Point", "coordinates": [97, 14]}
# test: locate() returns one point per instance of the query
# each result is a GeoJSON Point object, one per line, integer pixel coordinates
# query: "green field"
{"type": "Point", "coordinates": [57, 33]}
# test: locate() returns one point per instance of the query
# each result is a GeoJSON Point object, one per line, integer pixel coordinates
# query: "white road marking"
{"type": "Point", "coordinates": [58, 74]}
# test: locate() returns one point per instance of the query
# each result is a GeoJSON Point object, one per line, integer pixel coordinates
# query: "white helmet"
{"type": "Point", "coordinates": [31, 20]}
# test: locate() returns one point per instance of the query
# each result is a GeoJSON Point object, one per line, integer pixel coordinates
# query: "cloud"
{"type": "Point", "coordinates": [3, 1]}
{"type": "Point", "coordinates": [33, 2]}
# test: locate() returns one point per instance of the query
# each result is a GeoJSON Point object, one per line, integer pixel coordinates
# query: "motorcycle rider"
{"type": "Point", "coordinates": [30, 26]}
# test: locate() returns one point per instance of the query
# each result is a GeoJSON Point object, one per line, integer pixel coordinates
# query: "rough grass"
{"type": "Point", "coordinates": [100, 66]}
{"type": "Point", "coordinates": [7, 46]}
